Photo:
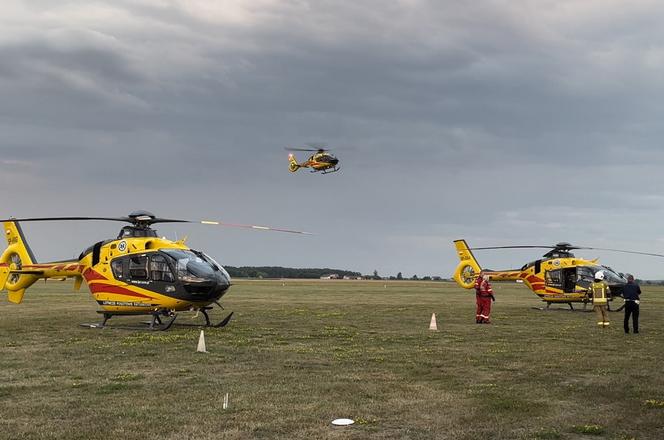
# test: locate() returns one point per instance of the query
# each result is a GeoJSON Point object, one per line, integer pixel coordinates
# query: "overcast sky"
{"type": "Point", "coordinates": [502, 122]}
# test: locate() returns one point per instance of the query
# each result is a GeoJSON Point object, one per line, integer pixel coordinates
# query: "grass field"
{"type": "Point", "coordinates": [300, 354]}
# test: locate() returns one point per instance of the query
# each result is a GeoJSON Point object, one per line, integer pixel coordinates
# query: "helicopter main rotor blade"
{"type": "Point", "coordinates": [567, 248]}
{"type": "Point", "coordinates": [48, 219]}
{"type": "Point", "coordinates": [232, 225]}
{"type": "Point", "coordinates": [511, 247]}
{"type": "Point", "coordinates": [239, 225]}
{"type": "Point", "coordinates": [318, 146]}
{"type": "Point", "coordinates": [150, 221]}
{"type": "Point", "coordinates": [303, 149]}
{"type": "Point", "coordinates": [621, 250]}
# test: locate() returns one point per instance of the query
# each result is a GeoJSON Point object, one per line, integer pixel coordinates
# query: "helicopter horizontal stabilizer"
{"type": "Point", "coordinates": [26, 272]}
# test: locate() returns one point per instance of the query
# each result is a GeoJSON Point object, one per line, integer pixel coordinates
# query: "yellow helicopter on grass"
{"type": "Point", "coordinates": [321, 161]}
{"type": "Point", "coordinates": [137, 273]}
{"type": "Point", "coordinates": [557, 277]}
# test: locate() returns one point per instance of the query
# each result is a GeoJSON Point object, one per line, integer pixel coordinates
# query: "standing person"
{"type": "Point", "coordinates": [483, 298]}
{"type": "Point", "coordinates": [599, 291]}
{"type": "Point", "coordinates": [631, 292]}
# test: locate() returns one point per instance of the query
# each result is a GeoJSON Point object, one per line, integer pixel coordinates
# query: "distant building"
{"type": "Point", "coordinates": [354, 277]}
{"type": "Point", "coordinates": [331, 276]}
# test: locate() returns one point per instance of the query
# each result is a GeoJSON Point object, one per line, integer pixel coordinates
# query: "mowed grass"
{"type": "Point", "coordinates": [299, 354]}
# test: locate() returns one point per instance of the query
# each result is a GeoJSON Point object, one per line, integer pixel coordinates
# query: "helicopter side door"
{"type": "Point", "coordinates": [132, 269]}
{"type": "Point", "coordinates": [553, 278]}
{"type": "Point", "coordinates": [569, 279]}
{"type": "Point", "coordinates": [145, 270]}
{"type": "Point", "coordinates": [585, 276]}
{"type": "Point", "coordinates": [161, 274]}
{"type": "Point", "coordinates": [563, 279]}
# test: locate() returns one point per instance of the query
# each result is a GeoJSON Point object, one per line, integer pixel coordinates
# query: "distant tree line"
{"type": "Point", "coordinates": [284, 272]}
{"type": "Point", "coordinates": [650, 282]}
{"type": "Point", "coordinates": [311, 273]}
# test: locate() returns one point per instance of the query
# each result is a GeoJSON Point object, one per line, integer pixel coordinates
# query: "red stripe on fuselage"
{"type": "Point", "coordinates": [533, 279]}
{"type": "Point", "coordinates": [91, 275]}
{"type": "Point", "coordinates": [109, 288]}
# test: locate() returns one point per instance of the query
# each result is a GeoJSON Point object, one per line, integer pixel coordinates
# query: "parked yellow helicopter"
{"type": "Point", "coordinates": [321, 161]}
{"type": "Point", "coordinates": [558, 277]}
{"type": "Point", "coordinates": [136, 273]}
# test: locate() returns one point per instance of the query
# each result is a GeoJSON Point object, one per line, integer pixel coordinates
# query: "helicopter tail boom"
{"type": "Point", "coordinates": [18, 266]}
{"type": "Point", "coordinates": [468, 268]}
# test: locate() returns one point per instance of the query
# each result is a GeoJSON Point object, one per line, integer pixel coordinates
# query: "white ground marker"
{"type": "Point", "coordinates": [432, 325]}
{"type": "Point", "coordinates": [201, 344]}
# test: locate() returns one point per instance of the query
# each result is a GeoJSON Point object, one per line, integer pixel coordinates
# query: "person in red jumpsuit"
{"type": "Point", "coordinates": [483, 296]}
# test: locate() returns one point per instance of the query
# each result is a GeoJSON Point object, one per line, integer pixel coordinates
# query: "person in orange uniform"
{"type": "Point", "coordinates": [483, 298]}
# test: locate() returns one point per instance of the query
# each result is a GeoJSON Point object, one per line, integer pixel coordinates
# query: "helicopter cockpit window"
{"type": "Point", "coordinates": [160, 270]}
{"type": "Point", "coordinates": [118, 269]}
{"type": "Point", "coordinates": [190, 267]}
{"type": "Point", "coordinates": [611, 277]}
{"type": "Point", "coordinates": [553, 278]}
{"type": "Point", "coordinates": [138, 268]}
{"type": "Point", "coordinates": [585, 275]}
{"type": "Point", "coordinates": [216, 266]}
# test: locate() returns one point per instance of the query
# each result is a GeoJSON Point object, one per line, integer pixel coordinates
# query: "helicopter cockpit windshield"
{"type": "Point", "coordinates": [196, 267]}
{"type": "Point", "coordinates": [586, 275]}
{"type": "Point", "coordinates": [611, 277]}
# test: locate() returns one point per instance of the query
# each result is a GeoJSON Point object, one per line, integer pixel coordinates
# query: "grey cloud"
{"type": "Point", "coordinates": [546, 117]}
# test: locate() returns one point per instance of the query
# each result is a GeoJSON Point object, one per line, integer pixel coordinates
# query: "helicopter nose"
{"type": "Point", "coordinates": [222, 284]}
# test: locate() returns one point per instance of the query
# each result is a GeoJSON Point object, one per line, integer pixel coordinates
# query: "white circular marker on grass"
{"type": "Point", "coordinates": [342, 422]}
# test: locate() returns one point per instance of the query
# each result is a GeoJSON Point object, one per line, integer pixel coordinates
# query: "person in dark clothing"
{"type": "Point", "coordinates": [631, 292]}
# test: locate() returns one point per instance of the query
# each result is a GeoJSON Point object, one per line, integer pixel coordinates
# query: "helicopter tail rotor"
{"type": "Point", "coordinates": [17, 254]}
{"type": "Point", "coordinates": [292, 163]}
{"type": "Point", "coordinates": [468, 269]}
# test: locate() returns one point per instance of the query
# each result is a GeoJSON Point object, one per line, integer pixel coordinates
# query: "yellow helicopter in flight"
{"type": "Point", "coordinates": [136, 273]}
{"type": "Point", "coordinates": [557, 277]}
{"type": "Point", "coordinates": [321, 161]}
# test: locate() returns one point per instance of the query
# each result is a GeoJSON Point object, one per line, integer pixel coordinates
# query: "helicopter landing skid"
{"type": "Point", "coordinates": [558, 309]}
{"type": "Point", "coordinates": [333, 170]}
{"type": "Point", "coordinates": [221, 324]}
{"type": "Point", "coordinates": [155, 324]}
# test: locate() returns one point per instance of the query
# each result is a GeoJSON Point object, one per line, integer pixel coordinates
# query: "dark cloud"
{"type": "Point", "coordinates": [500, 122]}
